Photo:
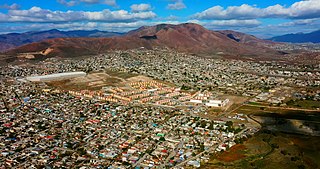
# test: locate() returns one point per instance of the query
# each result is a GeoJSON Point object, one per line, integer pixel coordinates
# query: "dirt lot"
{"type": "Point", "coordinates": [97, 80]}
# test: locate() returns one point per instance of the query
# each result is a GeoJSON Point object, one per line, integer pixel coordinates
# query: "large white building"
{"type": "Point", "coordinates": [217, 103]}
{"type": "Point", "coordinates": [56, 76]}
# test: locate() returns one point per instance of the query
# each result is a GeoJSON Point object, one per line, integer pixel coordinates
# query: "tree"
{"type": "Point", "coordinates": [284, 152]}
{"type": "Point", "coordinates": [203, 124]}
{"type": "Point", "coordinates": [162, 139]}
{"type": "Point", "coordinates": [211, 126]}
{"type": "Point", "coordinates": [229, 123]}
{"type": "Point", "coordinates": [82, 151]}
{"type": "Point", "coordinates": [295, 158]}
{"type": "Point", "coordinates": [201, 147]}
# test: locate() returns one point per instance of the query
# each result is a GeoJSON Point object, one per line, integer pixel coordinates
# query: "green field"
{"type": "Point", "coordinates": [306, 104]}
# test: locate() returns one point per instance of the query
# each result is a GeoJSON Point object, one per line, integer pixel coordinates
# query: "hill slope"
{"type": "Point", "coordinates": [313, 37]}
{"type": "Point", "coordinates": [245, 38]}
{"type": "Point", "coordinates": [12, 40]}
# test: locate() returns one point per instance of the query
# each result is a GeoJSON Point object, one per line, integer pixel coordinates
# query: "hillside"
{"type": "Point", "coordinates": [245, 38]}
{"type": "Point", "coordinates": [12, 40]}
{"type": "Point", "coordinates": [313, 37]}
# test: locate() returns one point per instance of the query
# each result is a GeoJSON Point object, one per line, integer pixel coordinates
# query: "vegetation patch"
{"type": "Point", "coordinates": [235, 153]}
{"type": "Point", "coordinates": [268, 149]}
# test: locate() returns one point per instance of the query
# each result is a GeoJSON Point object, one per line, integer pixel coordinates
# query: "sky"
{"type": "Point", "coordinates": [262, 18]}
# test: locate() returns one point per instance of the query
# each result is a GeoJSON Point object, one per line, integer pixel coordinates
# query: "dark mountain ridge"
{"type": "Point", "coordinates": [12, 40]}
{"type": "Point", "coordinates": [313, 37]}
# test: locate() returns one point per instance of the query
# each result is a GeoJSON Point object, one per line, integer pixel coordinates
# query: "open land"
{"type": "Point", "coordinates": [270, 150]}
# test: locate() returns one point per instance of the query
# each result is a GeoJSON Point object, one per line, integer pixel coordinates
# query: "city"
{"type": "Point", "coordinates": [137, 122]}
{"type": "Point", "coordinates": [160, 84]}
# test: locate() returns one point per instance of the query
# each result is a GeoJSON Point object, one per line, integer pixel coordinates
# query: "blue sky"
{"type": "Point", "coordinates": [260, 18]}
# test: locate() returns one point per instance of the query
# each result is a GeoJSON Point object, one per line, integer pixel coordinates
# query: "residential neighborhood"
{"type": "Point", "coordinates": [152, 114]}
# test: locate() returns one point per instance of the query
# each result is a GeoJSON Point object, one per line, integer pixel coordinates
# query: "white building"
{"type": "Point", "coordinates": [195, 101]}
{"type": "Point", "coordinates": [56, 76]}
{"type": "Point", "coordinates": [217, 103]}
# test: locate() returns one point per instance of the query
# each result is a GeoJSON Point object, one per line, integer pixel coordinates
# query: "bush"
{"type": "Point", "coordinates": [162, 139]}
{"type": "Point", "coordinates": [284, 152]}
{"type": "Point", "coordinates": [229, 123]}
{"type": "Point", "coordinates": [295, 158]}
{"type": "Point", "coordinates": [274, 145]}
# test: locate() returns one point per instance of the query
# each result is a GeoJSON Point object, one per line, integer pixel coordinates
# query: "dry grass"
{"type": "Point", "coordinates": [235, 153]}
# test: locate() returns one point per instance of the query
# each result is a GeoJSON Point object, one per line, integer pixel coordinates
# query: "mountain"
{"type": "Point", "coordinates": [12, 40]}
{"type": "Point", "coordinates": [313, 37]}
{"type": "Point", "coordinates": [194, 38]}
{"type": "Point", "coordinates": [246, 38]}
{"type": "Point", "coordinates": [188, 37]}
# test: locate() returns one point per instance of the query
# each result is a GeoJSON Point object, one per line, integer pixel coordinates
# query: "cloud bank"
{"type": "Point", "coordinates": [300, 10]}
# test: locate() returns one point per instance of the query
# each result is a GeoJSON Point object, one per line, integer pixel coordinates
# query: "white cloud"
{"type": "Point", "coordinates": [196, 22]}
{"type": "Point", "coordinates": [300, 22]}
{"type": "Point", "coordinates": [172, 18]}
{"type": "Point", "coordinates": [234, 23]}
{"type": "Point", "coordinates": [177, 5]}
{"type": "Point", "coordinates": [140, 7]}
{"type": "Point", "coordinates": [115, 27]}
{"type": "Point", "coordinates": [300, 10]}
{"type": "Point", "coordinates": [10, 7]}
{"type": "Point", "coordinates": [67, 3]}
{"type": "Point", "coordinates": [75, 2]}
{"type": "Point", "coordinates": [267, 31]}
{"type": "Point", "coordinates": [90, 1]}
{"type": "Point", "coordinates": [227, 24]}
{"type": "Point", "coordinates": [36, 14]}
{"type": "Point", "coordinates": [110, 3]}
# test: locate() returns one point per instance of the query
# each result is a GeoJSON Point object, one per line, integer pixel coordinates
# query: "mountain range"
{"type": "Point", "coordinates": [188, 37]}
{"type": "Point", "coordinates": [313, 37]}
{"type": "Point", "coordinates": [12, 40]}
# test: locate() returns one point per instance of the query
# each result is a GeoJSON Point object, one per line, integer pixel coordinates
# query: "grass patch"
{"type": "Point", "coordinates": [254, 103]}
{"type": "Point", "coordinates": [305, 104]}
{"type": "Point", "coordinates": [123, 75]}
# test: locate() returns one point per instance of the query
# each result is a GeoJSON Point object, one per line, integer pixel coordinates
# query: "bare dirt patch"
{"type": "Point", "coordinates": [235, 153]}
{"type": "Point", "coordinates": [97, 80]}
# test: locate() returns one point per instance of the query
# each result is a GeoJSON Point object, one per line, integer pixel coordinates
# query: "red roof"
{"type": "Point", "coordinates": [164, 151]}
{"type": "Point", "coordinates": [7, 124]}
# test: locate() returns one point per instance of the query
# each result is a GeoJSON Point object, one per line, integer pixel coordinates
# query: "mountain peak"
{"type": "Point", "coordinates": [50, 31]}
{"type": "Point", "coordinates": [152, 30]}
